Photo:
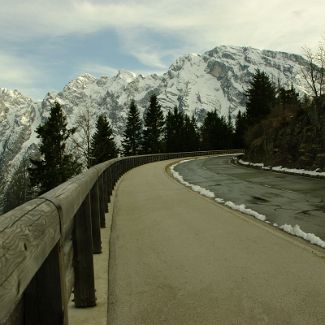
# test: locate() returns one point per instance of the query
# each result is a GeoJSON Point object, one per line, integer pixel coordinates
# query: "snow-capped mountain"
{"type": "Point", "coordinates": [195, 83]}
{"type": "Point", "coordinates": [19, 117]}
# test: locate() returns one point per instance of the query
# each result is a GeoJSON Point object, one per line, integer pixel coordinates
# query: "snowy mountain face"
{"type": "Point", "coordinates": [19, 117]}
{"type": "Point", "coordinates": [195, 83]}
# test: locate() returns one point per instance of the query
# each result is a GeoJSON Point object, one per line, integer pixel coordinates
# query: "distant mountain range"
{"type": "Point", "coordinates": [195, 83]}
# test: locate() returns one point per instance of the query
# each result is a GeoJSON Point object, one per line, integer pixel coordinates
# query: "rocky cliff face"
{"type": "Point", "coordinates": [196, 83]}
{"type": "Point", "coordinates": [293, 140]}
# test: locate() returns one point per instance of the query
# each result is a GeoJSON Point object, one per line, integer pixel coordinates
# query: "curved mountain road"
{"type": "Point", "coordinates": [179, 258]}
{"type": "Point", "coordinates": [282, 198]}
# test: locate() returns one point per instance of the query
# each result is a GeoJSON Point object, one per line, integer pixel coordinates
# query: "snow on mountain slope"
{"type": "Point", "coordinates": [195, 83]}
{"type": "Point", "coordinates": [19, 116]}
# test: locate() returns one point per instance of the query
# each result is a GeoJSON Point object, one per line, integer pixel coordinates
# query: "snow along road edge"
{"type": "Point", "coordinates": [293, 230]}
{"type": "Point", "coordinates": [280, 169]}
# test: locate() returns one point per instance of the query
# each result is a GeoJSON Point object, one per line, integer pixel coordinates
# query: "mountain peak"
{"type": "Point", "coordinates": [195, 83]}
{"type": "Point", "coordinates": [127, 76]}
{"type": "Point", "coordinates": [10, 92]}
{"type": "Point", "coordinates": [81, 82]}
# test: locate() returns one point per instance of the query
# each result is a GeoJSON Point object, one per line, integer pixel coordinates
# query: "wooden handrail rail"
{"type": "Point", "coordinates": [46, 244]}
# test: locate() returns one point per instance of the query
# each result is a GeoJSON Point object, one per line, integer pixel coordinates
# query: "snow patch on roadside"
{"type": "Point", "coordinates": [299, 171]}
{"type": "Point", "coordinates": [293, 230]}
{"type": "Point", "coordinates": [284, 169]}
{"type": "Point", "coordinates": [195, 188]}
{"type": "Point", "coordinates": [242, 208]}
{"type": "Point", "coordinates": [296, 231]}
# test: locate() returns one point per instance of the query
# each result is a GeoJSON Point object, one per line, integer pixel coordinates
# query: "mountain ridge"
{"type": "Point", "coordinates": [195, 83]}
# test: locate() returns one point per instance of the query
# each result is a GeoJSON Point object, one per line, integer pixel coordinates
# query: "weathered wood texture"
{"type": "Point", "coordinates": [95, 219]}
{"type": "Point", "coordinates": [84, 287]}
{"type": "Point", "coordinates": [17, 316]}
{"type": "Point", "coordinates": [69, 196]}
{"type": "Point", "coordinates": [102, 201]}
{"type": "Point", "coordinates": [68, 267]}
{"type": "Point", "coordinates": [25, 244]}
{"type": "Point", "coordinates": [31, 237]}
{"type": "Point", "coordinates": [105, 188]}
{"type": "Point", "coordinates": [44, 298]}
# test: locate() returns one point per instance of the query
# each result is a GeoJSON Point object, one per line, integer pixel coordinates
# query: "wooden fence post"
{"type": "Point", "coordinates": [95, 218]}
{"type": "Point", "coordinates": [105, 190]}
{"type": "Point", "coordinates": [84, 286]}
{"type": "Point", "coordinates": [44, 298]}
{"type": "Point", "coordinates": [109, 184]}
{"type": "Point", "coordinates": [102, 201]}
{"type": "Point", "coordinates": [114, 175]}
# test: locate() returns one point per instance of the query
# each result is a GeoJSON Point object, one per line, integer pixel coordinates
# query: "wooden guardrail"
{"type": "Point", "coordinates": [47, 244]}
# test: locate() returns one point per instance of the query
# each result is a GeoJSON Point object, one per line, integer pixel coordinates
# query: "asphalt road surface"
{"type": "Point", "coordinates": [282, 198]}
{"type": "Point", "coordinates": [178, 258]}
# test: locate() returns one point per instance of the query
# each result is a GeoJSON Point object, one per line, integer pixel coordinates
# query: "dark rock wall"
{"type": "Point", "coordinates": [294, 142]}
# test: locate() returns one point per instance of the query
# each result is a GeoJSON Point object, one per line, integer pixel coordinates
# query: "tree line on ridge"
{"type": "Point", "coordinates": [54, 163]}
{"type": "Point", "coordinates": [277, 127]}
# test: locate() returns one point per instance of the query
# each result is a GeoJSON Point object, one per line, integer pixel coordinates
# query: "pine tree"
{"type": "Point", "coordinates": [131, 142]}
{"type": "Point", "coordinates": [181, 132]}
{"type": "Point", "coordinates": [240, 129]}
{"type": "Point", "coordinates": [103, 146]}
{"type": "Point", "coordinates": [174, 131]}
{"type": "Point", "coordinates": [153, 127]}
{"type": "Point", "coordinates": [55, 165]}
{"type": "Point", "coordinates": [260, 97]}
{"type": "Point", "coordinates": [287, 97]}
{"type": "Point", "coordinates": [215, 132]}
{"type": "Point", "coordinates": [169, 130]}
{"type": "Point", "coordinates": [191, 137]}
{"type": "Point", "coordinates": [19, 189]}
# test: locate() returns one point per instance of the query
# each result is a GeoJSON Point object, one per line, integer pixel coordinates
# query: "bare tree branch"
{"type": "Point", "coordinates": [314, 71]}
{"type": "Point", "coordinates": [85, 126]}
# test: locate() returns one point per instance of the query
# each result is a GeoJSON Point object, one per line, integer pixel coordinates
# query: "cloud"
{"type": "Point", "coordinates": [145, 27]}
{"type": "Point", "coordinates": [150, 48]}
{"type": "Point", "coordinates": [97, 69]}
{"type": "Point", "coordinates": [200, 24]}
{"type": "Point", "coordinates": [16, 71]}
{"type": "Point", "coordinates": [23, 75]}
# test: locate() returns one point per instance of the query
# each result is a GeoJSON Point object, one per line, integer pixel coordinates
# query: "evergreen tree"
{"type": "Point", "coordinates": [181, 132]}
{"type": "Point", "coordinates": [55, 165]}
{"type": "Point", "coordinates": [131, 142]}
{"type": "Point", "coordinates": [215, 132]}
{"type": "Point", "coordinates": [287, 97]}
{"type": "Point", "coordinates": [19, 189]}
{"type": "Point", "coordinates": [240, 129]}
{"type": "Point", "coordinates": [153, 127]}
{"type": "Point", "coordinates": [191, 137]}
{"type": "Point", "coordinates": [103, 146]}
{"type": "Point", "coordinates": [174, 131]}
{"type": "Point", "coordinates": [260, 97]}
{"type": "Point", "coordinates": [169, 130]}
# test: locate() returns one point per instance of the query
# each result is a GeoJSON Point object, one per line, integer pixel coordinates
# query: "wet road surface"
{"type": "Point", "coordinates": [282, 198]}
{"type": "Point", "coordinates": [177, 257]}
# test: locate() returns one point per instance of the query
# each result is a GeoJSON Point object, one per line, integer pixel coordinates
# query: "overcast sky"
{"type": "Point", "coordinates": [46, 43]}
